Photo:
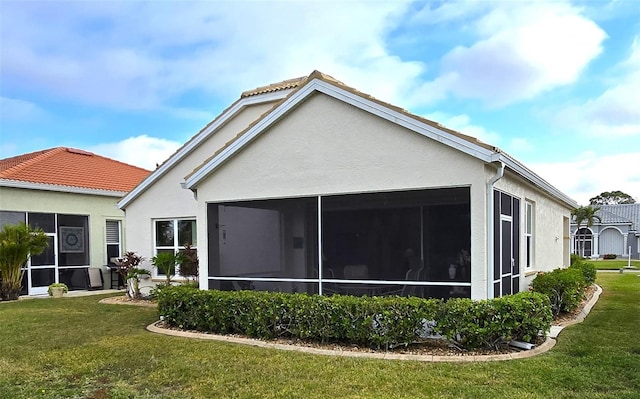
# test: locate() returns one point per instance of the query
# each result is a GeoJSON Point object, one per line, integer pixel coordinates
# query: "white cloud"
{"type": "Point", "coordinates": [616, 111]}
{"type": "Point", "coordinates": [523, 50]}
{"type": "Point", "coordinates": [591, 174]}
{"type": "Point", "coordinates": [462, 123]}
{"type": "Point", "coordinates": [108, 54]}
{"type": "Point", "coordinates": [143, 151]}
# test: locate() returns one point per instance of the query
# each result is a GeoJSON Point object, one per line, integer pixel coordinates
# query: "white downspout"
{"type": "Point", "coordinates": [491, 228]}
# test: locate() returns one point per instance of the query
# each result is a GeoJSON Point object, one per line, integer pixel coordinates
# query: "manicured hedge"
{"type": "Point", "coordinates": [564, 287]}
{"type": "Point", "coordinates": [587, 269]}
{"type": "Point", "coordinates": [379, 322]}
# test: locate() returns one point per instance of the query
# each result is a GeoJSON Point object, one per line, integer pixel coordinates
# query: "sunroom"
{"type": "Point", "coordinates": [415, 242]}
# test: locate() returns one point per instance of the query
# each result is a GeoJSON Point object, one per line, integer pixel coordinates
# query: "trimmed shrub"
{"type": "Point", "coordinates": [564, 287]}
{"type": "Point", "coordinates": [490, 323]}
{"type": "Point", "coordinates": [379, 322]}
{"type": "Point", "coordinates": [610, 256]}
{"type": "Point", "coordinates": [588, 271]}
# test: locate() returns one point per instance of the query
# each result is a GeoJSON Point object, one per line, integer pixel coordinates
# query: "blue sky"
{"type": "Point", "coordinates": [555, 84]}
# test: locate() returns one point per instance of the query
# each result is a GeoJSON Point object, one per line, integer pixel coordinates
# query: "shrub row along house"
{"type": "Point", "coordinates": [615, 231]}
{"type": "Point", "coordinates": [72, 195]}
{"type": "Point", "coordinates": [309, 185]}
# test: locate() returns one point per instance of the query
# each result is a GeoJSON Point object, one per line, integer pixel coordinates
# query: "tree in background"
{"type": "Point", "coordinates": [18, 243]}
{"type": "Point", "coordinates": [612, 198]}
{"type": "Point", "coordinates": [586, 215]}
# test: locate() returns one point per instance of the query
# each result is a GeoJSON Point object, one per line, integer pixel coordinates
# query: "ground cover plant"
{"type": "Point", "coordinates": [78, 348]}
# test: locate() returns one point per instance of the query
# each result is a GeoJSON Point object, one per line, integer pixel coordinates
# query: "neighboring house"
{"type": "Point", "coordinates": [617, 232]}
{"type": "Point", "coordinates": [309, 185]}
{"type": "Point", "coordinates": [72, 195]}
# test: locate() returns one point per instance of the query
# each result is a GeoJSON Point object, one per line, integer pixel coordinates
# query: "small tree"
{"type": "Point", "coordinates": [18, 243]}
{"type": "Point", "coordinates": [166, 263]}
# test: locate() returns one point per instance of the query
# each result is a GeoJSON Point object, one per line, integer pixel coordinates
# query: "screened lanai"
{"type": "Point", "coordinates": [390, 243]}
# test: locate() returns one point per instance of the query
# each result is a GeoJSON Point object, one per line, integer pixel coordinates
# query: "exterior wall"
{"type": "Point", "coordinates": [98, 208]}
{"type": "Point", "coordinates": [549, 228]}
{"type": "Point", "coordinates": [167, 199]}
{"type": "Point", "coordinates": [328, 147]}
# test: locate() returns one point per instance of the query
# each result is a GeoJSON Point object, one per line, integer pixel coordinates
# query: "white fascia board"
{"type": "Point", "coordinates": [63, 189]}
{"type": "Point", "coordinates": [406, 121]}
{"type": "Point", "coordinates": [538, 181]}
{"type": "Point", "coordinates": [350, 98]}
{"type": "Point", "coordinates": [202, 136]}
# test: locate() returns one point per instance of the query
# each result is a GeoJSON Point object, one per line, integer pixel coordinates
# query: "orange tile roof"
{"type": "Point", "coordinates": [71, 167]}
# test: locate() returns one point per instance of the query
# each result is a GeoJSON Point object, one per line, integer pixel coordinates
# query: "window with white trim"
{"type": "Point", "coordinates": [113, 239]}
{"type": "Point", "coordinates": [172, 235]}
{"type": "Point", "coordinates": [528, 234]}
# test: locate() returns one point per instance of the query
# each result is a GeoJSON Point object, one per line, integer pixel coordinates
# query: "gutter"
{"type": "Point", "coordinates": [491, 228]}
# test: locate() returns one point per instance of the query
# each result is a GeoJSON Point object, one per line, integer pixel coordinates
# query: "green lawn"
{"type": "Point", "coordinates": [614, 264]}
{"type": "Point", "coordinates": [75, 347]}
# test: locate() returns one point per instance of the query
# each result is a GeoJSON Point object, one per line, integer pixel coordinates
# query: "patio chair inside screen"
{"type": "Point", "coordinates": [356, 272]}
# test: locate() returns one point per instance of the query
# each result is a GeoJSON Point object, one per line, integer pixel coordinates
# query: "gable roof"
{"type": "Point", "coordinates": [273, 93]}
{"type": "Point", "coordinates": [319, 82]}
{"type": "Point", "coordinates": [70, 170]}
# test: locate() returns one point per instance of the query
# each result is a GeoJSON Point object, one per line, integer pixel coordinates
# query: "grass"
{"type": "Point", "coordinates": [614, 264]}
{"type": "Point", "coordinates": [78, 348]}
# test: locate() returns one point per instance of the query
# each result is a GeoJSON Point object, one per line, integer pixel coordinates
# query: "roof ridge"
{"type": "Point", "coordinates": [277, 86]}
{"type": "Point", "coordinates": [83, 152]}
{"type": "Point", "coordinates": [44, 154]}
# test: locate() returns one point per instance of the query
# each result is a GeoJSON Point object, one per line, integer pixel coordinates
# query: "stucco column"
{"type": "Point", "coordinates": [595, 251]}
{"type": "Point", "coordinates": [572, 237]}
{"type": "Point", "coordinates": [626, 244]}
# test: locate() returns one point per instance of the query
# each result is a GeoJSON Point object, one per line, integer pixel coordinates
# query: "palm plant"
{"type": "Point", "coordinates": [586, 215]}
{"type": "Point", "coordinates": [166, 263]}
{"type": "Point", "coordinates": [18, 243]}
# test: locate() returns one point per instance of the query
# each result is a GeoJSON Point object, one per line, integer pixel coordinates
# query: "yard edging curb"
{"type": "Point", "coordinates": [556, 330]}
{"type": "Point", "coordinates": [545, 346]}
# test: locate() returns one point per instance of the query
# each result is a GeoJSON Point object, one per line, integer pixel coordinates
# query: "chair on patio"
{"type": "Point", "coordinates": [95, 279]}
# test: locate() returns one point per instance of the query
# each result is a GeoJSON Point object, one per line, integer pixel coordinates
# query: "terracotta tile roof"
{"type": "Point", "coordinates": [71, 167]}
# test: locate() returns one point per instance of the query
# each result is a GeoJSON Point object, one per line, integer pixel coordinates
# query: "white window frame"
{"type": "Point", "coordinates": [529, 229]}
{"type": "Point", "coordinates": [176, 245]}
{"type": "Point", "coordinates": [106, 238]}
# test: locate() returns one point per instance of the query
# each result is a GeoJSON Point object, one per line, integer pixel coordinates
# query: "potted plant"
{"type": "Point", "coordinates": [57, 290]}
{"type": "Point", "coordinates": [134, 275]}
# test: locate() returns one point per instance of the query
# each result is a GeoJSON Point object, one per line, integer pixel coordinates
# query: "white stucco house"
{"type": "Point", "coordinates": [72, 195]}
{"type": "Point", "coordinates": [616, 231]}
{"type": "Point", "coordinates": [309, 185]}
